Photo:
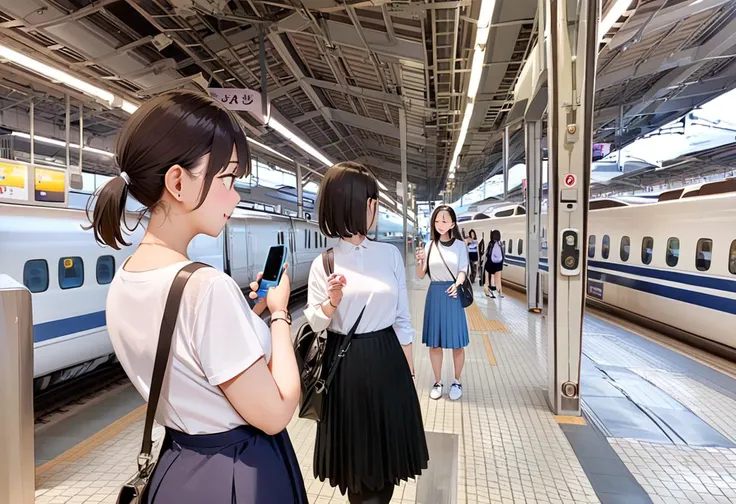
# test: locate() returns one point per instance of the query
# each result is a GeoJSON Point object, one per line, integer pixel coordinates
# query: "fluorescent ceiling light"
{"type": "Point", "coordinates": [286, 133]}
{"type": "Point", "coordinates": [57, 75]}
{"type": "Point", "coordinates": [612, 16]}
{"type": "Point", "coordinates": [60, 143]}
{"type": "Point", "coordinates": [269, 149]}
{"type": "Point", "coordinates": [476, 71]}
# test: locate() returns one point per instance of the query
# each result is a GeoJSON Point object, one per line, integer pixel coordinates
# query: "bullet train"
{"type": "Point", "coordinates": [668, 264]}
{"type": "Point", "coordinates": [68, 273]}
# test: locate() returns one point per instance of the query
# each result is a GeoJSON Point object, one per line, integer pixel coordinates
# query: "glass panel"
{"type": "Point", "coordinates": [673, 252]}
{"type": "Point", "coordinates": [647, 245]}
{"type": "Point", "coordinates": [71, 272]}
{"type": "Point", "coordinates": [606, 247]}
{"type": "Point", "coordinates": [703, 254]}
{"type": "Point", "coordinates": [732, 258]}
{"type": "Point", "coordinates": [625, 248]}
{"type": "Point", "coordinates": [591, 246]}
{"type": "Point", "coordinates": [36, 275]}
{"type": "Point", "coordinates": [105, 269]}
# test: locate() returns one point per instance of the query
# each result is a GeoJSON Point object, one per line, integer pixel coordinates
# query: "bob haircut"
{"type": "Point", "coordinates": [472, 234]}
{"type": "Point", "coordinates": [454, 232]}
{"type": "Point", "coordinates": [178, 127]}
{"type": "Point", "coordinates": [343, 200]}
{"type": "Point", "coordinates": [496, 235]}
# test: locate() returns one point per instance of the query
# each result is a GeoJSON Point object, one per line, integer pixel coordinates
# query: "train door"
{"type": "Point", "coordinates": [237, 248]}
{"type": "Point", "coordinates": [306, 249]}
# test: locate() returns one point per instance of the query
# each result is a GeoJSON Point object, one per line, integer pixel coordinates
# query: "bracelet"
{"type": "Point", "coordinates": [330, 301]}
{"type": "Point", "coordinates": [280, 318]}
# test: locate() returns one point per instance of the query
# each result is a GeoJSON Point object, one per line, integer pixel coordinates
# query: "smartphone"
{"type": "Point", "coordinates": [273, 269]}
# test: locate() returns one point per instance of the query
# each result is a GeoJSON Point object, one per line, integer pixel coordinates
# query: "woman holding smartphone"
{"type": "Point", "coordinates": [371, 435]}
{"type": "Point", "coordinates": [232, 384]}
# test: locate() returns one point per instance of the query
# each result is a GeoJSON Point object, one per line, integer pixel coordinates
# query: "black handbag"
{"type": "Point", "coordinates": [134, 490]}
{"type": "Point", "coordinates": [315, 374]}
{"type": "Point", "coordinates": [465, 291]}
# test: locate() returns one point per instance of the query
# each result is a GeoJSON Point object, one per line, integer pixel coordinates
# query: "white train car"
{"type": "Point", "coordinates": [68, 273]}
{"type": "Point", "coordinates": [670, 264]}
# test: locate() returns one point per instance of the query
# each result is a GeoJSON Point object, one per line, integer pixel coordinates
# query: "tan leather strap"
{"type": "Point", "coordinates": [168, 323]}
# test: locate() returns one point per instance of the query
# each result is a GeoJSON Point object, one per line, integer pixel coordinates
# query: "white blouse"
{"type": "Point", "coordinates": [456, 257]}
{"type": "Point", "coordinates": [376, 279]}
{"type": "Point", "coordinates": [216, 337]}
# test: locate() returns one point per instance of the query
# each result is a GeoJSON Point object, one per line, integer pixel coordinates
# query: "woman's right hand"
{"type": "Point", "coordinates": [420, 255]}
{"type": "Point", "coordinates": [334, 289]}
{"type": "Point", "coordinates": [277, 298]}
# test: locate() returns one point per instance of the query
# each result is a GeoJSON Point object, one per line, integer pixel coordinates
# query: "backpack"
{"type": "Point", "coordinates": [496, 253]}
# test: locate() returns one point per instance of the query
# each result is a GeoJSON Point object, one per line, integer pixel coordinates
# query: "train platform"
{"type": "Point", "coordinates": [658, 423]}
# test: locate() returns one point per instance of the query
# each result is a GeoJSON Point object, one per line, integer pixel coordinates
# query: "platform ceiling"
{"type": "Point", "coordinates": [338, 73]}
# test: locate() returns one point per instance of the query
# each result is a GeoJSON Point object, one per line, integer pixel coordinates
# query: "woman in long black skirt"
{"type": "Point", "coordinates": [231, 385]}
{"type": "Point", "coordinates": [371, 435]}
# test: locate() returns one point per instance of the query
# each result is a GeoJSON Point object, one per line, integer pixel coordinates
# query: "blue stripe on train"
{"type": "Point", "coordinates": [718, 303]}
{"type": "Point", "coordinates": [64, 327]}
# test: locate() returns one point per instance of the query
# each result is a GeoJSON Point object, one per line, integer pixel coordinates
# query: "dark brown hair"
{"type": "Point", "coordinates": [454, 232]}
{"type": "Point", "coordinates": [179, 127]}
{"type": "Point", "coordinates": [343, 200]}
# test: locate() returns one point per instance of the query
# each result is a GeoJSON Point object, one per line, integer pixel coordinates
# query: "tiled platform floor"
{"type": "Point", "coordinates": [511, 448]}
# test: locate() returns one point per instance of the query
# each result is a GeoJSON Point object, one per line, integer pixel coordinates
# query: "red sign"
{"type": "Point", "coordinates": [570, 180]}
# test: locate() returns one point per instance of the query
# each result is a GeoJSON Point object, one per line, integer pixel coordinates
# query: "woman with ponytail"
{"type": "Point", "coordinates": [231, 384]}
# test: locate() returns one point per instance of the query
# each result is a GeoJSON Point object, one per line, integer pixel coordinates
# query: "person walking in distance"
{"type": "Point", "coordinates": [371, 435]}
{"type": "Point", "coordinates": [494, 264]}
{"type": "Point", "coordinates": [445, 325]}
{"type": "Point", "coordinates": [472, 243]}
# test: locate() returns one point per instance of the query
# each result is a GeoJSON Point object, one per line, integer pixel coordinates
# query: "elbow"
{"type": "Point", "coordinates": [274, 422]}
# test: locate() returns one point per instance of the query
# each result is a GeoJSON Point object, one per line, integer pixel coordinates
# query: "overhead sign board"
{"type": "Point", "coordinates": [240, 99]}
{"type": "Point", "coordinates": [29, 184]}
{"type": "Point", "coordinates": [13, 181]}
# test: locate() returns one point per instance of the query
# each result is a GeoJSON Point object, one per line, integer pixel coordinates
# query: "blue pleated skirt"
{"type": "Point", "coordinates": [445, 325]}
{"type": "Point", "coordinates": [241, 466]}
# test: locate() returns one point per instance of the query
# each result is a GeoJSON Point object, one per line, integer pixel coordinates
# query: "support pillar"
{"type": "Point", "coordinates": [533, 141]}
{"type": "Point", "coordinates": [506, 163]}
{"type": "Point", "coordinates": [75, 175]}
{"type": "Point", "coordinates": [571, 50]}
{"type": "Point", "coordinates": [68, 127]}
{"type": "Point", "coordinates": [33, 131]}
{"type": "Point", "coordinates": [404, 180]}
{"type": "Point", "coordinates": [299, 191]}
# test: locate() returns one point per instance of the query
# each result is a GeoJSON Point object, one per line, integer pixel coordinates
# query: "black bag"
{"type": "Point", "coordinates": [134, 490]}
{"type": "Point", "coordinates": [465, 291]}
{"type": "Point", "coordinates": [315, 374]}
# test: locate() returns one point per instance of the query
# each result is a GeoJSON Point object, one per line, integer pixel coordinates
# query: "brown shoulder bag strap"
{"type": "Point", "coordinates": [328, 261]}
{"type": "Point", "coordinates": [168, 323]}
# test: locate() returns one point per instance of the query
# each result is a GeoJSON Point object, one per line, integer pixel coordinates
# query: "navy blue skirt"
{"type": "Point", "coordinates": [445, 325]}
{"type": "Point", "coordinates": [241, 466]}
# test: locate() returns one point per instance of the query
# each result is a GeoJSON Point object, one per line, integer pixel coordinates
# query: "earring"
{"type": "Point", "coordinates": [178, 196]}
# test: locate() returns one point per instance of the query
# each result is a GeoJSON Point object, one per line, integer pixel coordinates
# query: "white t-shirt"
{"type": "Point", "coordinates": [217, 336]}
{"type": "Point", "coordinates": [376, 280]}
{"type": "Point", "coordinates": [456, 257]}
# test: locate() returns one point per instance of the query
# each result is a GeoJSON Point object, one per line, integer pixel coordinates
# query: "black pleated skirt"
{"type": "Point", "coordinates": [241, 466]}
{"type": "Point", "coordinates": [371, 434]}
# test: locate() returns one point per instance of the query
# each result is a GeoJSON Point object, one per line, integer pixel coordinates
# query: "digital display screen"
{"type": "Point", "coordinates": [50, 185]}
{"type": "Point", "coordinates": [273, 263]}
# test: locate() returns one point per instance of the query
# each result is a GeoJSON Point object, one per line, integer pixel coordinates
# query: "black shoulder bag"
{"type": "Point", "coordinates": [134, 490]}
{"type": "Point", "coordinates": [465, 291]}
{"type": "Point", "coordinates": [315, 374]}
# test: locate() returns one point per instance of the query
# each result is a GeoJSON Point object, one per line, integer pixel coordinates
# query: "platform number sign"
{"type": "Point", "coordinates": [570, 180]}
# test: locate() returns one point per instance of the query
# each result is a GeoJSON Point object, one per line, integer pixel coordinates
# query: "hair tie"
{"type": "Point", "coordinates": [125, 177]}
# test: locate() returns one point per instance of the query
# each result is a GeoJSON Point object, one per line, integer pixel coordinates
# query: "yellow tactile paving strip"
{"type": "Point", "coordinates": [574, 420]}
{"type": "Point", "coordinates": [478, 322]}
{"type": "Point", "coordinates": [77, 452]}
{"type": "Point", "coordinates": [489, 350]}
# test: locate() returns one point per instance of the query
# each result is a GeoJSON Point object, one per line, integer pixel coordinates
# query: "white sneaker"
{"type": "Point", "coordinates": [456, 391]}
{"type": "Point", "coordinates": [436, 391]}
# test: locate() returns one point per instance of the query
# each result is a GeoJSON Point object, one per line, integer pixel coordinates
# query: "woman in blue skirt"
{"type": "Point", "coordinates": [445, 259]}
{"type": "Point", "coordinates": [231, 384]}
{"type": "Point", "coordinates": [371, 435]}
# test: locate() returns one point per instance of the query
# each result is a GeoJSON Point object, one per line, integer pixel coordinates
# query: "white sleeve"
{"type": "Point", "coordinates": [225, 336]}
{"type": "Point", "coordinates": [462, 259]}
{"type": "Point", "coordinates": [402, 325]}
{"type": "Point", "coordinates": [316, 295]}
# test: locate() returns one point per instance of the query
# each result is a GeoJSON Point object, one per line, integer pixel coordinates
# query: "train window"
{"type": "Point", "coordinates": [673, 252]}
{"type": "Point", "coordinates": [315, 240]}
{"type": "Point", "coordinates": [521, 246]}
{"type": "Point", "coordinates": [306, 234]}
{"type": "Point", "coordinates": [647, 245]}
{"type": "Point", "coordinates": [105, 269]}
{"type": "Point", "coordinates": [36, 275]}
{"type": "Point", "coordinates": [511, 246]}
{"type": "Point", "coordinates": [732, 258]}
{"type": "Point", "coordinates": [703, 254]}
{"type": "Point", "coordinates": [71, 272]}
{"type": "Point", "coordinates": [625, 248]}
{"type": "Point", "coordinates": [591, 246]}
{"type": "Point", "coordinates": [606, 247]}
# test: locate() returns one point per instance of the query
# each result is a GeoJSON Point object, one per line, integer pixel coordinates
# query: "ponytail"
{"type": "Point", "coordinates": [109, 211]}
